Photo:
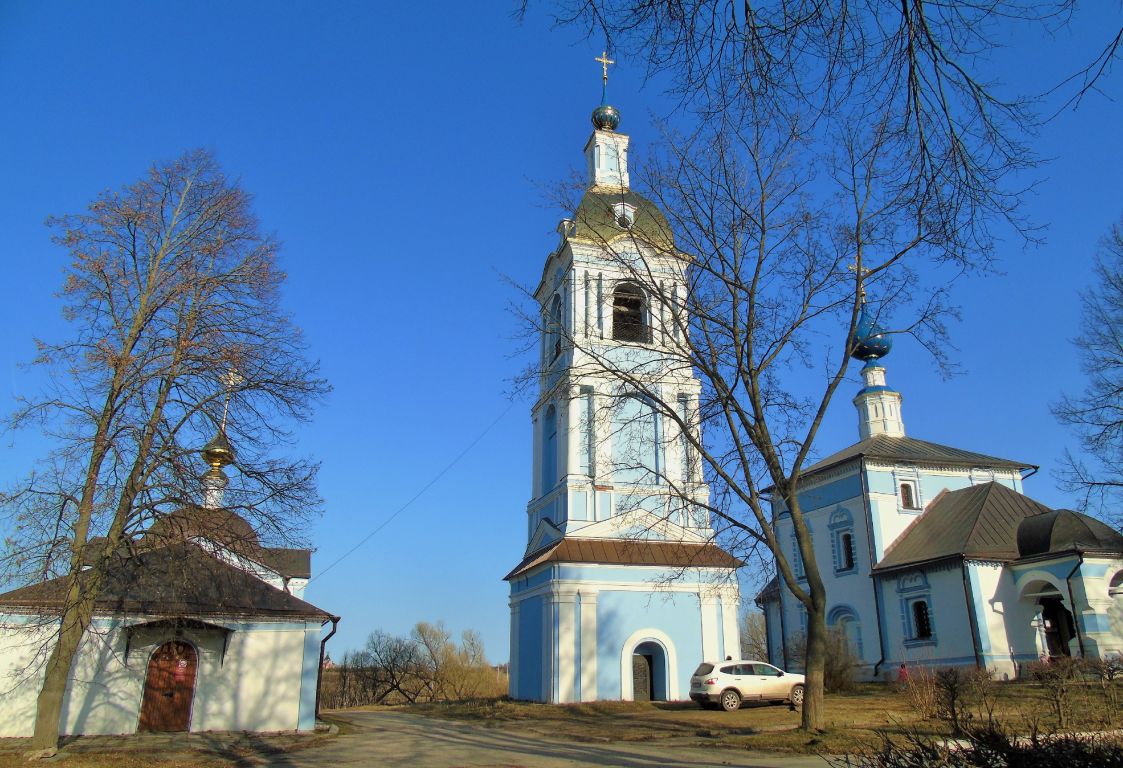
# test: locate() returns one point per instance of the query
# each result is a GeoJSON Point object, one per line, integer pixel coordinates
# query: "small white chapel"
{"type": "Point", "coordinates": [198, 628]}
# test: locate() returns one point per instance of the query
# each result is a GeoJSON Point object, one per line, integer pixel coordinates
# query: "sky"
{"type": "Point", "coordinates": [403, 153]}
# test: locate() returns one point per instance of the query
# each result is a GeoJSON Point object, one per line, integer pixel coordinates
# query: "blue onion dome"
{"type": "Point", "coordinates": [606, 118]}
{"type": "Point", "coordinates": [869, 340]}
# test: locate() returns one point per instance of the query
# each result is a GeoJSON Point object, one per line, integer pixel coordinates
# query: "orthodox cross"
{"type": "Point", "coordinates": [861, 272]}
{"type": "Point", "coordinates": [605, 61]}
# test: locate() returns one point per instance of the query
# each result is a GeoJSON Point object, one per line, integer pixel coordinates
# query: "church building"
{"type": "Point", "coordinates": [198, 627]}
{"type": "Point", "coordinates": [932, 555]}
{"type": "Point", "coordinates": [621, 591]}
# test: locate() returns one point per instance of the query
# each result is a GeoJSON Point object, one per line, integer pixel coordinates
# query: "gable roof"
{"type": "Point", "coordinates": [979, 522]}
{"type": "Point", "coordinates": [228, 530]}
{"type": "Point", "coordinates": [675, 554]}
{"type": "Point", "coordinates": [176, 580]}
{"type": "Point", "coordinates": [912, 450]}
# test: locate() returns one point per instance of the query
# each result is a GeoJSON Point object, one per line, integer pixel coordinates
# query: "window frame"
{"type": "Point", "coordinates": [638, 329]}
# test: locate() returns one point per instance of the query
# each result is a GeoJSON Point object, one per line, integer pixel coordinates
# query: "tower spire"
{"type": "Point", "coordinates": [879, 406]}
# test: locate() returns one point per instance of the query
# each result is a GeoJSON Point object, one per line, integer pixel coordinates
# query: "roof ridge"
{"type": "Point", "coordinates": [989, 487]}
{"type": "Point", "coordinates": [908, 528]}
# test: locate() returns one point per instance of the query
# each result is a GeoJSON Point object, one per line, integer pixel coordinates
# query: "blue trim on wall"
{"type": "Point", "coordinates": [980, 616]}
{"type": "Point", "coordinates": [306, 717]}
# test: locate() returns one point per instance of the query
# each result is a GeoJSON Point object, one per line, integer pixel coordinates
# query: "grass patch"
{"type": "Point", "coordinates": [853, 721]}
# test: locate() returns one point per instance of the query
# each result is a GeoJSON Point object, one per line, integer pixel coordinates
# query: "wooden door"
{"type": "Point", "coordinates": [169, 688]}
{"type": "Point", "coordinates": [641, 677]}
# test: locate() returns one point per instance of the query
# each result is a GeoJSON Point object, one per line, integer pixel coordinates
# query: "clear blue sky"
{"type": "Point", "coordinates": [400, 150]}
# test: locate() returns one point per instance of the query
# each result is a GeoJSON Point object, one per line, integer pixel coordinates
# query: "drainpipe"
{"type": "Point", "coordinates": [1072, 601]}
{"type": "Point", "coordinates": [969, 600]}
{"type": "Point", "coordinates": [320, 669]}
{"type": "Point", "coordinates": [875, 581]}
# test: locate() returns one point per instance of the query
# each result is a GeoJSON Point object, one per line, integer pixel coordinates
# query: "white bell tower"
{"type": "Point", "coordinates": [617, 523]}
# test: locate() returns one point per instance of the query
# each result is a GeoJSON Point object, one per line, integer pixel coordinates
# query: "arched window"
{"type": "Point", "coordinates": [555, 328]}
{"type": "Point", "coordinates": [629, 314]}
{"type": "Point", "coordinates": [549, 450]}
{"type": "Point", "coordinates": [908, 496]}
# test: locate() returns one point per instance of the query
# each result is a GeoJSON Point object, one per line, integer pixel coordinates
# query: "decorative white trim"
{"type": "Point", "coordinates": [627, 693]}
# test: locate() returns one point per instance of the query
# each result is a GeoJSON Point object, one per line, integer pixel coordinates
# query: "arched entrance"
{"type": "Point", "coordinates": [1054, 619]}
{"type": "Point", "coordinates": [649, 672]}
{"type": "Point", "coordinates": [169, 688]}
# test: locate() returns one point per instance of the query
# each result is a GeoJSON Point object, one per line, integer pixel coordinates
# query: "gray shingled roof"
{"type": "Point", "coordinates": [179, 579]}
{"type": "Point", "coordinates": [980, 522]}
{"type": "Point", "coordinates": [676, 554]}
{"type": "Point", "coordinates": [911, 450]}
{"type": "Point", "coordinates": [1063, 530]}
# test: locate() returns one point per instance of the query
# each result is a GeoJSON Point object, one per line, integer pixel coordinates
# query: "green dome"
{"type": "Point", "coordinates": [596, 218]}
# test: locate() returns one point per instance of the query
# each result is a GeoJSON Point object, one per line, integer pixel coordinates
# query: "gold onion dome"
{"type": "Point", "coordinates": [218, 452]}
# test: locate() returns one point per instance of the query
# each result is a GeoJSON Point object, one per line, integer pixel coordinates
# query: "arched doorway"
{"type": "Point", "coordinates": [649, 672]}
{"type": "Point", "coordinates": [1059, 626]}
{"type": "Point", "coordinates": [169, 688]}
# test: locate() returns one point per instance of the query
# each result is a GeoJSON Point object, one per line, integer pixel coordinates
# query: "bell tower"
{"type": "Point", "coordinates": [620, 550]}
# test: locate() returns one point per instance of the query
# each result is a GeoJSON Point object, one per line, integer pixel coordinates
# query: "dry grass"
{"type": "Point", "coordinates": [196, 750]}
{"type": "Point", "coordinates": [853, 720]}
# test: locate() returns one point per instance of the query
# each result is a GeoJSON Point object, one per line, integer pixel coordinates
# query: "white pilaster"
{"type": "Point", "coordinates": [588, 660]}
{"type": "Point", "coordinates": [566, 603]}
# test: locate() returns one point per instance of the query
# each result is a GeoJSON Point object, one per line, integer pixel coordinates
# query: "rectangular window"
{"type": "Point", "coordinates": [846, 542]}
{"type": "Point", "coordinates": [921, 620]}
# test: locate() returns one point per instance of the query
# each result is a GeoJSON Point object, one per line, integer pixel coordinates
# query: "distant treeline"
{"type": "Point", "coordinates": [427, 665]}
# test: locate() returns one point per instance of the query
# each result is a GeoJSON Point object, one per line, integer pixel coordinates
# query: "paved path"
{"type": "Point", "coordinates": [398, 738]}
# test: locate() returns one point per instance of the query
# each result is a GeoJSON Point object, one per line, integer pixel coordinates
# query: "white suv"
{"type": "Point", "coordinates": [728, 683]}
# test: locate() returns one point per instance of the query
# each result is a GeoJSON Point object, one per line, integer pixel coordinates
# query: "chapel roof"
{"type": "Point", "coordinates": [675, 554]}
{"type": "Point", "coordinates": [230, 531]}
{"type": "Point", "coordinates": [176, 580]}
{"type": "Point", "coordinates": [979, 522]}
{"type": "Point", "coordinates": [1061, 531]}
{"type": "Point", "coordinates": [910, 450]}
{"type": "Point", "coordinates": [595, 218]}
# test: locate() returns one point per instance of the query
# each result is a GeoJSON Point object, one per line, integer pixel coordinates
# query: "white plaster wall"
{"type": "Point", "coordinates": [21, 672]}
{"type": "Point", "coordinates": [256, 688]}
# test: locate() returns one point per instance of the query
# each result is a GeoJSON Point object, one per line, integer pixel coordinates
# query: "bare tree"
{"type": "Point", "coordinates": [846, 163]}
{"type": "Point", "coordinates": [1096, 414]}
{"type": "Point", "coordinates": [754, 635]}
{"type": "Point", "coordinates": [173, 294]}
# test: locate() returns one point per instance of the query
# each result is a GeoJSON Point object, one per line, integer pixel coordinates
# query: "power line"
{"type": "Point", "coordinates": [420, 493]}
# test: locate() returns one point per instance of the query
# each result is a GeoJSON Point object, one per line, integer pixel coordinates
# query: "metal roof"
{"type": "Point", "coordinates": [179, 579]}
{"type": "Point", "coordinates": [912, 450]}
{"type": "Point", "coordinates": [595, 218]}
{"type": "Point", "coordinates": [980, 522]}
{"type": "Point", "coordinates": [675, 554]}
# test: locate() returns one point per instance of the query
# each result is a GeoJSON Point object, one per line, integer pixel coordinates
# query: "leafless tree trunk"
{"type": "Point", "coordinates": [173, 293]}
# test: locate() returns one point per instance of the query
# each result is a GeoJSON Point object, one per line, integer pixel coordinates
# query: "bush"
{"type": "Point", "coordinates": [841, 661]}
{"type": "Point", "coordinates": [989, 748]}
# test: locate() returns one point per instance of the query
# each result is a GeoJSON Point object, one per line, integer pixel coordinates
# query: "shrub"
{"type": "Point", "coordinates": [989, 748]}
{"type": "Point", "coordinates": [840, 664]}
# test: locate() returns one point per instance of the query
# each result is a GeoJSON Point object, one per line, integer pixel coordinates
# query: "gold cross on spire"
{"type": "Point", "coordinates": [861, 280]}
{"type": "Point", "coordinates": [605, 61]}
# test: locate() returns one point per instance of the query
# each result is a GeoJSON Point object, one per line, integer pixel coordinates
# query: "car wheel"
{"type": "Point", "coordinates": [797, 696]}
{"type": "Point", "coordinates": [730, 700]}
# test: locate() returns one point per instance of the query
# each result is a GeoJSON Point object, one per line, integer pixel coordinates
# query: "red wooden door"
{"type": "Point", "coordinates": [169, 688]}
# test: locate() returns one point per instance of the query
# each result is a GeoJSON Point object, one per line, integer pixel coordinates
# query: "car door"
{"type": "Point", "coordinates": [771, 681]}
{"type": "Point", "coordinates": [750, 683]}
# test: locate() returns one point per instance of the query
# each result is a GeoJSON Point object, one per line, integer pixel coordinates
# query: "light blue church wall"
{"type": "Point", "coordinates": [530, 650]}
{"type": "Point", "coordinates": [620, 614]}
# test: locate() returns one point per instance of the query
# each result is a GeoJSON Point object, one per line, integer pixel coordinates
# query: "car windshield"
{"type": "Point", "coordinates": [704, 669]}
